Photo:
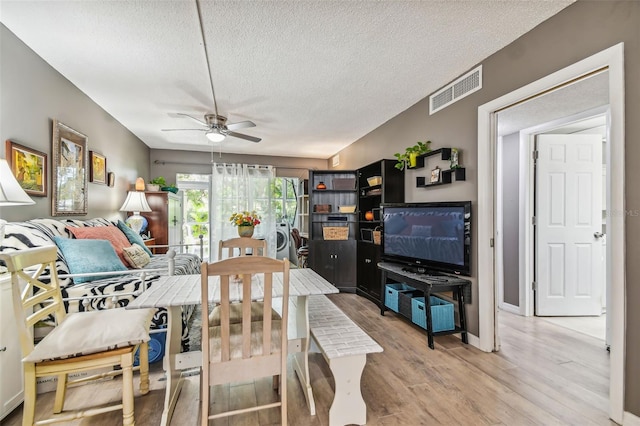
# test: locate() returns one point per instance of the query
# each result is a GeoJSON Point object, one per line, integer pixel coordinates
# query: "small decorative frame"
{"type": "Point", "coordinates": [435, 175]}
{"type": "Point", "coordinates": [98, 168]}
{"type": "Point", "coordinates": [454, 158]}
{"type": "Point", "coordinates": [29, 167]}
{"type": "Point", "coordinates": [69, 177]}
{"type": "Point", "coordinates": [111, 179]}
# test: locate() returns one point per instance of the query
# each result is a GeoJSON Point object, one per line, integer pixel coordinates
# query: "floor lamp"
{"type": "Point", "coordinates": [11, 193]}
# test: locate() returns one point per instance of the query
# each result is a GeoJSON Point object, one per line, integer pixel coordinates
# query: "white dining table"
{"type": "Point", "coordinates": [173, 292]}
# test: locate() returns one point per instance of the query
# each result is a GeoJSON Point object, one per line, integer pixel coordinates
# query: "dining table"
{"type": "Point", "coordinates": [175, 291]}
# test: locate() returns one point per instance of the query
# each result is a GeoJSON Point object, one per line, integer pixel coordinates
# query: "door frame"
{"type": "Point", "coordinates": [611, 59]}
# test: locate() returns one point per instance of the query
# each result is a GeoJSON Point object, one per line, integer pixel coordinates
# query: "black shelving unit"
{"type": "Point", "coordinates": [390, 190]}
{"type": "Point", "coordinates": [333, 259]}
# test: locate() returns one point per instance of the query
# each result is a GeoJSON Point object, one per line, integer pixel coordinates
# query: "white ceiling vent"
{"type": "Point", "coordinates": [456, 90]}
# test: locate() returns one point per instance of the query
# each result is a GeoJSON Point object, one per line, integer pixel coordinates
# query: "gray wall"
{"type": "Point", "coordinates": [510, 218]}
{"type": "Point", "coordinates": [579, 31]}
{"type": "Point", "coordinates": [32, 95]}
{"type": "Point", "coordinates": [167, 163]}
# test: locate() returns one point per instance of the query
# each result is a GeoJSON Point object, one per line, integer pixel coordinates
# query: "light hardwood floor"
{"type": "Point", "coordinates": [544, 375]}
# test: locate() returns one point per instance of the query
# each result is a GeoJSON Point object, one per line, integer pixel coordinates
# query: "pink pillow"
{"type": "Point", "coordinates": [110, 233]}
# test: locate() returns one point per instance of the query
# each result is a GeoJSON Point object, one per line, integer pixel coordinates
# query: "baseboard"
{"type": "Point", "coordinates": [629, 419]}
{"type": "Point", "coordinates": [508, 307]}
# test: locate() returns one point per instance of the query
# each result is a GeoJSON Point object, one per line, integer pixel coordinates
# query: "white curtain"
{"type": "Point", "coordinates": [236, 188]}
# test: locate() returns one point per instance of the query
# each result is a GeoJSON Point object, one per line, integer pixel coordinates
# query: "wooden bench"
{"type": "Point", "coordinates": [344, 345]}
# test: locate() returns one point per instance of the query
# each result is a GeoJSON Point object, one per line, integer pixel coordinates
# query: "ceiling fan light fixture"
{"type": "Point", "coordinates": [214, 136]}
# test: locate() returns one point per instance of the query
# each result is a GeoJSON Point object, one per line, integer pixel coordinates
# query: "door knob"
{"type": "Point", "coordinates": [597, 235]}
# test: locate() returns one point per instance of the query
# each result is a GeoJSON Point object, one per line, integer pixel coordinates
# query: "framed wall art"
{"type": "Point", "coordinates": [29, 167]}
{"type": "Point", "coordinates": [69, 177]}
{"type": "Point", "coordinates": [98, 168]}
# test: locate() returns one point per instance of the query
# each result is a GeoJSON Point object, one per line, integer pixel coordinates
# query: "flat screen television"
{"type": "Point", "coordinates": [428, 236]}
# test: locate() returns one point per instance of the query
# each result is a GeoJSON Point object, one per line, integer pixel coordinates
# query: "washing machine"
{"type": "Point", "coordinates": [283, 240]}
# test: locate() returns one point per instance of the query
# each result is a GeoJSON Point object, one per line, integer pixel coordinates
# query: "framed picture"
{"type": "Point", "coordinates": [111, 177]}
{"type": "Point", "coordinates": [435, 175]}
{"type": "Point", "coordinates": [98, 168]}
{"type": "Point", "coordinates": [455, 159]}
{"type": "Point", "coordinates": [69, 177]}
{"type": "Point", "coordinates": [29, 167]}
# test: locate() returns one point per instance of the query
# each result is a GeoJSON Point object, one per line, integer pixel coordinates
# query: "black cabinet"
{"type": "Point", "coordinates": [378, 183]}
{"type": "Point", "coordinates": [368, 272]}
{"type": "Point", "coordinates": [333, 226]}
{"type": "Point", "coordinates": [335, 261]}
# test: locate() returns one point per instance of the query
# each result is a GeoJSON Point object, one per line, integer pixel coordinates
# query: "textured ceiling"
{"type": "Point", "coordinates": [314, 76]}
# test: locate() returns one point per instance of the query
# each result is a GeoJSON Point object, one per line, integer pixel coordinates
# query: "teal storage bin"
{"type": "Point", "coordinates": [391, 294]}
{"type": "Point", "coordinates": [441, 313]}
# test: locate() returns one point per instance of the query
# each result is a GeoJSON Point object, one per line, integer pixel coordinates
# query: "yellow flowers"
{"type": "Point", "coordinates": [245, 219]}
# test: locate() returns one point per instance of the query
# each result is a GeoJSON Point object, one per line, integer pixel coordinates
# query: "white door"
{"type": "Point", "coordinates": [569, 267]}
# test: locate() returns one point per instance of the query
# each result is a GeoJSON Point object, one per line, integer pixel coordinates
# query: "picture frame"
{"type": "Point", "coordinates": [69, 171]}
{"type": "Point", "coordinates": [111, 179]}
{"type": "Point", "coordinates": [435, 175]}
{"type": "Point", "coordinates": [29, 167]}
{"type": "Point", "coordinates": [98, 168]}
{"type": "Point", "coordinates": [455, 158]}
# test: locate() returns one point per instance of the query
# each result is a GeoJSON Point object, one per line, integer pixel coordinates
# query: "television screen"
{"type": "Point", "coordinates": [430, 236]}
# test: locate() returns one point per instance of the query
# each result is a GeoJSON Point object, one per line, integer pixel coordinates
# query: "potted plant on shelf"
{"type": "Point", "coordinates": [409, 156]}
{"type": "Point", "coordinates": [156, 183]}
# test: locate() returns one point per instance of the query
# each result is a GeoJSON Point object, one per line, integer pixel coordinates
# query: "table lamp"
{"type": "Point", "coordinates": [11, 193]}
{"type": "Point", "coordinates": [136, 202]}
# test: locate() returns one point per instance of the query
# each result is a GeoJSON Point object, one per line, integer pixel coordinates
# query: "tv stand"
{"type": "Point", "coordinates": [429, 283]}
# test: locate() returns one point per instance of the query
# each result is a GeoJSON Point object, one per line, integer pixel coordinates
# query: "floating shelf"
{"type": "Point", "coordinates": [446, 177]}
{"type": "Point", "coordinates": [445, 154]}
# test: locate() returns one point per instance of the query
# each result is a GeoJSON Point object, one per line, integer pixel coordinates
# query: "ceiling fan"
{"type": "Point", "coordinates": [217, 129]}
{"type": "Point", "coordinates": [215, 125]}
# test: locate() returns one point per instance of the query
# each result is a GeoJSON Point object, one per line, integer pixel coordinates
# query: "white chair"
{"type": "Point", "coordinates": [251, 348]}
{"type": "Point", "coordinates": [79, 342]}
{"type": "Point", "coordinates": [241, 247]}
{"type": "Point", "coordinates": [245, 247]}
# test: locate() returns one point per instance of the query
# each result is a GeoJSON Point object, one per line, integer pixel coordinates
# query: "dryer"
{"type": "Point", "coordinates": [283, 239]}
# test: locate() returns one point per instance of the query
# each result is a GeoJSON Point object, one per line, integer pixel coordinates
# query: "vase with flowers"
{"type": "Point", "coordinates": [246, 222]}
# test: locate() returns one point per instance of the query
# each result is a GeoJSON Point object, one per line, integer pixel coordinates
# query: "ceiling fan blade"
{"type": "Point", "coordinates": [240, 125]}
{"type": "Point", "coordinates": [245, 137]}
{"type": "Point", "coordinates": [193, 118]}
{"type": "Point", "coordinates": [179, 130]}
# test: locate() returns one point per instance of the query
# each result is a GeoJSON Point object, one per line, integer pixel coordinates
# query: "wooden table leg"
{"type": "Point", "coordinates": [301, 359]}
{"type": "Point", "coordinates": [173, 375]}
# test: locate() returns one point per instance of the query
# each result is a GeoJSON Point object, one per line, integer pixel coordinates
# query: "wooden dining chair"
{"type": "Point", "coordinates": [249, 349]}
{"type": "Point", "coordinates": [79, 342]}
{"type": "Point", "coordinates": [240, 247]}
{"type": "Point", "coordinates": [245, 247]}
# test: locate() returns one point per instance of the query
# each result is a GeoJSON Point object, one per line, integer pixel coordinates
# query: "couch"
{"type": "Point", "coordinates": [101, 290]}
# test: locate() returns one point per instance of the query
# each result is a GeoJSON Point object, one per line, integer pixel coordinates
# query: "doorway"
{"type": "Point", "coordinates": [611, 60]}
{"type": "Point", "coordinates": [558, 278]}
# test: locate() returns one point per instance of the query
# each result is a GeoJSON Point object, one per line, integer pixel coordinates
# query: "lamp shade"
{"type": "Point", "coordinates": [214, 136]}
{"type": "Point", "coordinates": [11, 193]}
{"type": "Point", "coordinates": [135, 202]}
